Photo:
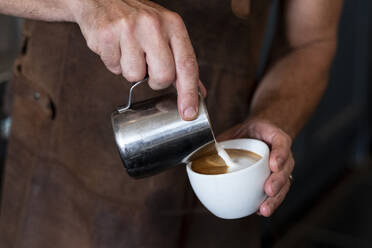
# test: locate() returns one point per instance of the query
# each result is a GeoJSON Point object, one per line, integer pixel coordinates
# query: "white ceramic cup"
{"type": "Point", "coordinates": [235, 194]}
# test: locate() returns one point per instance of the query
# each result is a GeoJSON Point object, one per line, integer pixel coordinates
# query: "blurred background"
{"type": "Point", "coordinates": [329, 202]}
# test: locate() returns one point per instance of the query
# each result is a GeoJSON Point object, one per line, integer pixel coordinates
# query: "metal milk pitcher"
{"type": "Point", "coordinates": [151, 136]}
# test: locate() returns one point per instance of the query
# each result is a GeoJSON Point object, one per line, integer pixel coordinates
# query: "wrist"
{"type": "Point", "coordinates": [78, 10]}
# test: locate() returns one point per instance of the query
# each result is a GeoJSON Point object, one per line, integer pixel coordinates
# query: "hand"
{"type": "Point", "coordinates": [281, 161]}
{"type": "Point", "coordinates": [135, 37]}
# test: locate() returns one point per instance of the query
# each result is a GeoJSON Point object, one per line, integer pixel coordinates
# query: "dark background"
{"type": "Point", "coordinates": [329, 202]}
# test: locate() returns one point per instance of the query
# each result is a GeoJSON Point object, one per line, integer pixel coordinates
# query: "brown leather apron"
{"type": "Point", "coordinates": [64, 182]}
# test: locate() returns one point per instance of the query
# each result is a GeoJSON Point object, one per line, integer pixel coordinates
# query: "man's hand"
{"type": "Point", "coordinates": [281, 161]}
{"type": "Point", "coordinates": [135, 37]}
{"type": "Point", "coordinates": [132, 37]}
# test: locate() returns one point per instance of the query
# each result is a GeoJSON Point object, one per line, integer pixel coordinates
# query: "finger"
{"type": "Point", "coordinates": [160, 62]}
{"type": "Point", "coordinates": [277, 180]}
{"type": "Point", "coordinates": [280, 151]}
{"type": "Point", "coordinates": [133, 64]}
{"type": "Point", "coordinates": [110, 55]}
{"type": "Point", "coordinates": [202, 89]}
{"type": "Point", "coordinates": [187, 74]}
{"type": "Point", "coordinates": [268, 207]}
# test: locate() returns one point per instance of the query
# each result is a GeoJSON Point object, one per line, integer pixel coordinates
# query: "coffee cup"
{"type": "Point", "coordinates": [238, 193]}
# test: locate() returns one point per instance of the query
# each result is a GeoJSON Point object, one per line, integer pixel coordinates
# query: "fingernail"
{"type": "Point", "coordinates": [189, 113]}
{"type": "Point", "coordinates": [275, 187]}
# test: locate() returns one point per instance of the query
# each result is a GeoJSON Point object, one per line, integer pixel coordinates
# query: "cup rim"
{"type": "Point", "coordinates": [188, 166]}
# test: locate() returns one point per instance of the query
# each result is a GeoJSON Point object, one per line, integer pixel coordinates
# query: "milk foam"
{"type": "Point", "coordinates": [235, 164]}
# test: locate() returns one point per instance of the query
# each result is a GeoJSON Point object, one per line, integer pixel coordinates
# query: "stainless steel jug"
{"type": "Point", "coordinates": [152, 137]}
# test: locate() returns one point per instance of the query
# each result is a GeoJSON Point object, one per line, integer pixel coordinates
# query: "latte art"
{"type": "Point", "coordinates": [213, 164]}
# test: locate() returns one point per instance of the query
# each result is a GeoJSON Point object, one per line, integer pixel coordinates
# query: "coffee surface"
{"type": "Point", "coordinates": [213, 164]}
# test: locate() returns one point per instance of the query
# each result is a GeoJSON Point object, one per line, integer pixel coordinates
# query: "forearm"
{"type": "Point", "coordinates": [293, 86]}
{"type": "Point", "coordinates": [51, 10]}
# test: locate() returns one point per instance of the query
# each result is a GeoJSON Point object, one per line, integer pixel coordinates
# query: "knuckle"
{"type": "Point", "coordinates": [189, 64]}
{"type": "Point", "coordinates": [151, 19]}
{"type": "Point", "coordinates": [189, 93]}
{"type": "Point", "coordinates": [174, 18]}
{"type": "Point", "coordinates": [92, 45]}
{"type": "Point", "coordinates": [126, 26]}
{"type": "Point", "coordinates": [110, 60]}
{"type": "Point", "coordinates": [157, 84]}
{"type": "Point", "coordinates": [114, 69]}
{"type": "Point", "coordinates": [287, 138]}
{"type": "Point", "coordinates": [281, 154]}
{"type": "Point", "coordinates": [133, 76]}
{"type": "Point", "coordinates": [284, 156]}
{"type": "Point", "coordinates": [280, 158]}
{"type": "Point", "coordinates": [166, 77]}
{"type": "Point", "coordinates": [110, 63]}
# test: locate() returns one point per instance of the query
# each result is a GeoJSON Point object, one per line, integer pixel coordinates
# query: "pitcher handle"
{"type": "Point", "coordinates": [123, 109]}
